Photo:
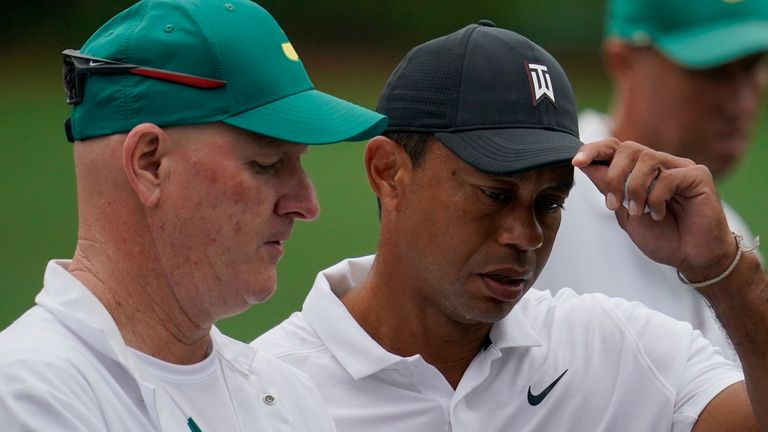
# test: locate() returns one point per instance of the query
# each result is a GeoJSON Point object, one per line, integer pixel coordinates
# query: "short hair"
{"type": "Point", "coordinates": [414, 144]}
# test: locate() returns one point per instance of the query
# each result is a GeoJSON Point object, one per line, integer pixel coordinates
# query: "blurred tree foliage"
{"type": "Point", "coordinates": [48, 22]}
{"type": "Point", "coordinates": [562, 23]}
{"type": "Point", "coordinates": [385, 23]}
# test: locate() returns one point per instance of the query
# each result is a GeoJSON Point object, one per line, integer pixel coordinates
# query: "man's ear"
{"type": "Point", "coordinates": [143, 150]}
{"type": "Point", "coordinates": [618, 58]}
{"type": "Point", "coordinates": [386, 163]}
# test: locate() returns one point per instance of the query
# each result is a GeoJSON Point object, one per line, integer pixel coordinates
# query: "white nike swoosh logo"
{"type": "Point", "coordinates": [95, 63]}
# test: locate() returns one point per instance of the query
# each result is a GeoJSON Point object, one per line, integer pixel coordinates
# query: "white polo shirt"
{"type": "Point", "coordinates": [593, 254]}
{"type": "Point", "coordinates": [628, 368]}
{"type": "Point", "coordinates": [65, 367]}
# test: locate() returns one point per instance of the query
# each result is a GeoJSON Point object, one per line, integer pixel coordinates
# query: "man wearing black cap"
{"type": "Point", "coordinates": [439, 330]}
{"type": "Point", "coordinates": [189, 122]}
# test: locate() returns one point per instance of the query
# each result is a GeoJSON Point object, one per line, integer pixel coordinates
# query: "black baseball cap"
{"type": "Point", "coordinates": [494, 98]}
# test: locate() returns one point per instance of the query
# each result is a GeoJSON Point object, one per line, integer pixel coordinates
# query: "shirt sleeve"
{"type": "Point", "coordinates": [707, 373]}
{"type": "Point", "coordinates": [691, 369]}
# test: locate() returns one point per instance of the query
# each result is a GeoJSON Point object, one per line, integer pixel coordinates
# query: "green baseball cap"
{"type": "Point", "coordinates": [244, 72]}
{"type": "Point", "coordinates": [695, 34]}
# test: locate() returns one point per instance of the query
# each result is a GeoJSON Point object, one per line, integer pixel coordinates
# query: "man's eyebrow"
{"type": "Point", "coordinates": [504, 181]}
{"type": "Point", "coordinates": [565, 185]}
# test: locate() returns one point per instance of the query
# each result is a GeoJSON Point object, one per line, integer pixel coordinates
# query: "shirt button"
{"type": "Point", "coordinates": [269, 400]}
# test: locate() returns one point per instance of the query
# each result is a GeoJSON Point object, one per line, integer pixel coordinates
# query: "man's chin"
{"type": "Point", "coordinates": [261, 295]}
{"type": "Point", "coordinates": [489, 314]}
{"type": "Point", "coordinates": [251, 299]}
{"type": "Point", "coordinates": [724, 165]}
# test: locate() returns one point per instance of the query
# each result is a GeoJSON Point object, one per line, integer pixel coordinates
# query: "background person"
{"type": "Point", "coordinates": [190, 120]}
{"type": "Point", "coordinates": [688, 80]}
{"type": "Point", "coordinates": [439, 331]}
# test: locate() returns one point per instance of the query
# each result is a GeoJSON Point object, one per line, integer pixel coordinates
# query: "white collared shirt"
{"type": "Point", "coordinates": [593, 254]}
{"type": "Point", "coordinates": [65, 367]}
{"type": "Point", "coordinates": [628, 368]}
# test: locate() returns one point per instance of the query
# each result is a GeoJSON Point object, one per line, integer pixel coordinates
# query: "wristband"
{"type": "Point", "coordinates": [740, 249]}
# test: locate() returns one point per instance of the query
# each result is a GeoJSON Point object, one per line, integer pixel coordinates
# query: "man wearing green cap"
{"type": "Point", "coordinates": [688, 78]}
{"type": "Point", "coordinates": [189, 123]}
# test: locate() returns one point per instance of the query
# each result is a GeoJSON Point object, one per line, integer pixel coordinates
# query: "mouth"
{"type": "Point", "coordinates": [278, 238]}
{"type": "Point", "coordinates": [505, 287]}
{"type": "Point", "coordinates": [732, 135]}
{"type": "Point", "coordinates": [276, 246]}
{"type": "Point", "coordinates": [734, 143]}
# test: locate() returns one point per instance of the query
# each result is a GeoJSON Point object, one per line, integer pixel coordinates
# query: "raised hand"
{"type": "Point", "coordinates": [685, 226]}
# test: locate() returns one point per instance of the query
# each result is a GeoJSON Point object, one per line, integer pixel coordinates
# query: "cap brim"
{"type": "Point", "coordinates": [311, 117]}
{"type": "Point", "coordinates": [713, 46]}
{"type": "Point", "coordinates": [509, 151]}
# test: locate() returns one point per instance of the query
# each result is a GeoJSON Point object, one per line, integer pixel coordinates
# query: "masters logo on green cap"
{"type": "Point", "coordinates": [266, 88]}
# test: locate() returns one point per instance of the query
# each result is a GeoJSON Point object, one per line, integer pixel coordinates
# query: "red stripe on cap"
{"type": "Point", "coordinates": [193, 81]}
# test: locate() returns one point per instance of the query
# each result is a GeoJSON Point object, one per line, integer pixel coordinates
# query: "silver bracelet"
{"type": "Point", "coordinates": [740, 251]}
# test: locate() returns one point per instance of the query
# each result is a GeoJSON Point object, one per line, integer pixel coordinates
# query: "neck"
{"type": "Point", "coordinates": [631, 121]}
{"type": "Point", "coordinates": [621, 124]}
{"type": "Point", "coordinates": [389, 310]}
{"type": "Point", "coordinates": [623, 130]}
{"type": "Point", "coordinates": [141, 302]}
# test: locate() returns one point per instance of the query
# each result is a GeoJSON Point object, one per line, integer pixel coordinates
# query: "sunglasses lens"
{"type": "Point", "coordinates": [71, 87]}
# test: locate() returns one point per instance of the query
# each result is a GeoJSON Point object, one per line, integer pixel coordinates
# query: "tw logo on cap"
{"type": "Point", "coordinates": [541, 83]}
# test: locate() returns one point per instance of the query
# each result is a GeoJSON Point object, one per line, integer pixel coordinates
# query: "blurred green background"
{"type": "Point", "coordinates": [349, 48]}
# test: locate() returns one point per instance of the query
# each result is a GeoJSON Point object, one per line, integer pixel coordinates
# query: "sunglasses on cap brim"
{"type": "Point", "coordinates": [78, 66]}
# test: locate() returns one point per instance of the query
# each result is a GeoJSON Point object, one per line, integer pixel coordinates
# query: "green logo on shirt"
{"type": "Point", "coordinates": [193, 426]}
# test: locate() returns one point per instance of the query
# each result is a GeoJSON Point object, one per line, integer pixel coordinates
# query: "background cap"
{"type": "Point", "coordinates": [494, 98]}
{"type": "Point", "coordinates": [696, 34]}
{"type": "Point", "coordinates": [267, 91]}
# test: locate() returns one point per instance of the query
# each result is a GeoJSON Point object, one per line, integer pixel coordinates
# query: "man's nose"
{"type": "Point", "coordinates": [521, 230]}
{"type": "Point", "coordinates": [300, 199]}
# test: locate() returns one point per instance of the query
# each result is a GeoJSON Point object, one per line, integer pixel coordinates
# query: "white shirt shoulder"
{"type": "Point", "coordinates": [46, 378]}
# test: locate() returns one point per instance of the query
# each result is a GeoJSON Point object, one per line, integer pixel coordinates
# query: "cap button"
{"type": "Point", "coordinates": [486, 23]}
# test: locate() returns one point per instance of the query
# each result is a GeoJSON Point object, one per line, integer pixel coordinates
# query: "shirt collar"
{"type": "Point", "coordinates": [77, 308]}
{"type": "Point", "coordinates": [66, 298]}
{"type": "Point", "coordinates": [357, 352]}
{"type": "Point", "coordinates": [514, 331]}
{"type": "Point", "coordinates": [236, 353]}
